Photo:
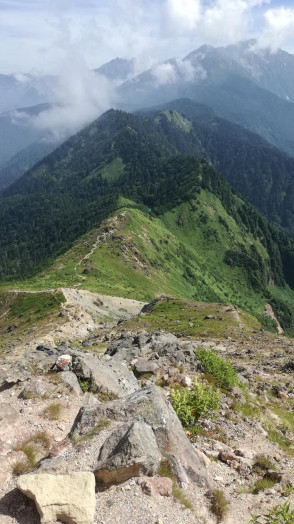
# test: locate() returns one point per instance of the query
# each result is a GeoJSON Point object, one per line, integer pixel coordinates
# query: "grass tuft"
{"type": "Point", "coordinates": [219, 504]}
{"type": "Point", "coordinates": [53, 412]}
{"type": "Point", "coordinates": [91, 433]}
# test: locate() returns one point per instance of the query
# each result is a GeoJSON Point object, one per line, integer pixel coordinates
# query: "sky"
{"type": "Point", "coordinates": [70, 38]}
{"type": "Point", "coordinates": [44, 35]}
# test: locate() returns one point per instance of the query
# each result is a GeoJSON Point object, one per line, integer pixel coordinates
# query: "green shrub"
{"type": "Point", "coordinates": [223, 372]}
{"type": "Point", "coordinates": [190, 405]}
{"type": "Point", "coordinates": [85, 385]}
{"type": "Point", "coordinates": [281, 514]}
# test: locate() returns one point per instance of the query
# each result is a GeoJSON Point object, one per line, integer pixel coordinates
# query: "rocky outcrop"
{"type": "Point", "coordinates": [150, 405]}
{"type": "Point", "coordinates": [130, 451]}
{"type": "Point", "coordinates": [107, 377]}
{"type": "Point", "coordinates": [69, 498]}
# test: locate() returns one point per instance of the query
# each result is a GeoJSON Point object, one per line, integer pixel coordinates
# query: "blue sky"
{"type": "Point", "coordinates": [39, 35]}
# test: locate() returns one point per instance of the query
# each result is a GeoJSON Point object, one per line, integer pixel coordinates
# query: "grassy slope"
{"type": "Point", "coordinates": [139, 256]}
{"type": "Point", "coordinates": [24, 313]}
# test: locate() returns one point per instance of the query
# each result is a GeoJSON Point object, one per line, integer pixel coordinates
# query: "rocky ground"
{"type": "Point", "coordinates": [95, 406]}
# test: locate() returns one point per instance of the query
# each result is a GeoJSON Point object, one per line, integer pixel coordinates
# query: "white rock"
{"type": "Point", "coordinates": [69, 498]}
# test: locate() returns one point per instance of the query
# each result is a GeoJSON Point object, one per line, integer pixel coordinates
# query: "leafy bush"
{"type": "Point", "coordinates": [222, 371]}
{"type": "Point", "coordinates": [281, 514]}
{"type": "Point", "coordinates": [190, 405]}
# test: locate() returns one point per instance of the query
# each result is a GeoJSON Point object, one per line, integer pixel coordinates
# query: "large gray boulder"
{"type": "Point", "coordinates": [130, 451]}
{"type": "Point", "coordinates": [69, 498]}
{"type": "Point", "coordinates": [105, 376]}
{"type": "Point", "coordinates": [150, 405]}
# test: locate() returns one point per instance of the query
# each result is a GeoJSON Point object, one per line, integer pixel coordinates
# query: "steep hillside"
{"type": "Point", "coordinates": [260, 172]}
{"type": "Point", "coordinates": [195, 250]}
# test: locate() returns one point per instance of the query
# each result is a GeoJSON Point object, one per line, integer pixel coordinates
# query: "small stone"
{"type": "Point", "coordinates": [63, 362]}
{"type": "Point", "coordinates": [156, 486]}
{"type": "Point", "coordinates": [187, 381]}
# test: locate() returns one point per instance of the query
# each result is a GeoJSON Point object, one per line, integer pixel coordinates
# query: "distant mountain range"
{"type": "Point", "coordinates": [251, 87]}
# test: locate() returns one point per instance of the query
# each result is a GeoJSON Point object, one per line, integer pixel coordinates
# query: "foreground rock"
{"type": "Point", "coordinates": [150, 405]}
{"type": "Point", "coordinates": [130, 451]}
{"type": "Point", "coordinates": [105, 377]}
{"type": "Point", "coordinates": [69, 498]}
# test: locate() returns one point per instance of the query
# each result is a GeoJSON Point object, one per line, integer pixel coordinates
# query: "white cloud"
{"type": "Point", "coordinates": [279, 28]}
{"type": "Point", "coordinates": [171, 72]}
{"type": "Point", "coordinates": [80, 97]}
{"type": "Point", "coordinates": [182, 15]}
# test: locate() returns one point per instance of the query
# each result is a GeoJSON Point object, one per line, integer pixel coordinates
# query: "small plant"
{"type": "Point", "coordinates": [219, 504]}
{"type": "Point", "coordinates": [85, 385]}
{"type": "Point", "coordinates": [223, 372]}
{"type": "Point", "coordinates": [165, 470]}
{"type": "Point", "coordinates": [53, 412]}
{"type": "Point", "coordinates": [190, 405]}
{"type": "Point", "coordinates": [281, 514]}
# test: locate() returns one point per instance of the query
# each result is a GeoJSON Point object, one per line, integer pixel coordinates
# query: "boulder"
{"type": "Point", "coordinates": [106, 377]}
{"type": "Point", "coordinates": [146, 366]}
{"type": "Point", "coordinates": [36, 388]}
{"type": "Point", "coordinates": [69, 498]}
{"type": "Point", "coordinates": [130, 451]}
{"type": "Point", "coordinates": [150, 405]}
{"type": "Point", "coordinates": [10, 375]}
{"type": "Point", "coordinates": [70, 380]}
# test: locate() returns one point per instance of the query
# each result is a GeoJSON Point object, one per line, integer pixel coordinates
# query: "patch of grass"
{"type": "Point", "coordinates": [191, 404]}
{"type": "Point", "coordinates": [21, 468]}
{"type": "Point", "coordinates": [106, 396]}
{"type": "Point", "coordinates": [220, 368]}
{"type": "Point", "coordinates": [91, 433]}
{"type": "Point", "coordinates": [262, 484]}
{"type": "Point", "coordinates": [275, 435]}
{"type": "Point", "coordinates": [34, 447]}
{"type": "Point", "coordinates": [165, 470]}
{"type": "Point", "coordinates": [262, 464]}
{"type": "Point", "coordinates": [286, 416]}
{"type": "Point", "coordinates": [53, 412]}
{"type": "Point", "coordinates": [219, 504]}
{"type": "Point", "coordinates": [281, 514]}
{"type": "Point", "coordinates": [27, 311]}
{"type": "Point", "coordinates": [247, 408]}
